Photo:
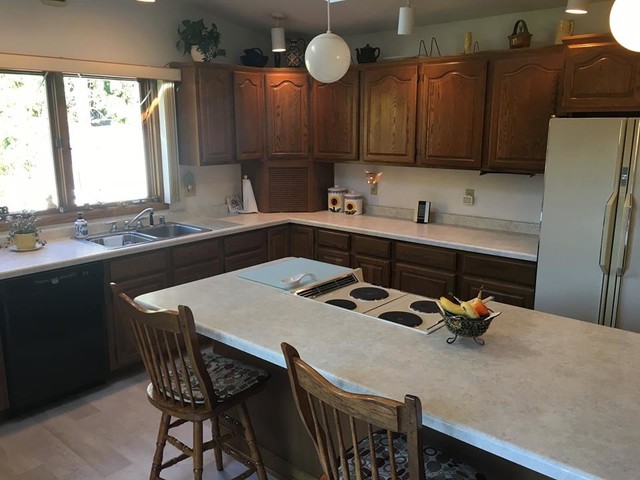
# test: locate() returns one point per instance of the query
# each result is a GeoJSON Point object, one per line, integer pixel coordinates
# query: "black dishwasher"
{"type": "Point", "coordinates": [53, 334]}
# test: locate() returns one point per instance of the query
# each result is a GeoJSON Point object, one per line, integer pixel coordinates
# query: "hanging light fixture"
{"type": "Point", "coordinates": [623, 21]}
{"type": "Point", "coordinates": [577, 7]}
{"type": "Point", "coordinates": [327, 56]}
{"type": "Point", "coordinates": [406, 20]}
{"type": "Point", "coordinates": [277, 34]}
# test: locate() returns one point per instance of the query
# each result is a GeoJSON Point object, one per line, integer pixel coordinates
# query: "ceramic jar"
{"type": "Point", "coordinates": [353, 202]}
{"type": "Point", "coordinates": [336, 199]}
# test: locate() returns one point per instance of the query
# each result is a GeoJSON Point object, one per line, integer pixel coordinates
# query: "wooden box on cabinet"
{"type": "Point", "coordinates": [523, 95]}
{"type": "Point", "coordinates": [136, 275]}
{"type": "Point", "coordinates": [425, 270]}
{"type": "Point", "coordinates": [509, 280]}
{"type": "Point", "coordinates": [204, 103]}
{"type": "Point", "coordinates": [600, 75]}
{"type": "Point", "coordinates": [388, 113]}
{"type": "Point", "coordinates": [334, 118]}
{"type": "Point", "coordinates": [451, 113]}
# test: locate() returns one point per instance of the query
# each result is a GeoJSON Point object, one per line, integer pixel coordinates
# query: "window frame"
{"type": "Point", "coordinates": [62, 155]}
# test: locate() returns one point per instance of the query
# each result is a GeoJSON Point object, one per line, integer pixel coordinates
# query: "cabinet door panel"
{"type": "Point", "coordinates": [246, 259]}
{"type": "Point", "coordinates": [374, 270]}
{"type": "Point", "coordinates": [278, 240]}
{"type": "Point", "coordinates": [249, 115]}
{"type": "Point", "coordinates": [500, 268]}
{"type": "Point", "coordinates": [451, 114]}
{"type": "Point", "coordinates": [302, 242]}
{"type": "Point", "coordinates": [194, 272]}
{"type": "Point", "coordinates": [517, 295]}
{"type": "Point", "coordinates": [335, 257]}
{"type": "Point", "coordinates": [216, 116]}
{"type": "Point", "coordinates": [333, 239]}
{"type": "Point", "coordinates": [371, 246]}
{"type": "Point", "coordinates": [287, 115]}
{"type": "Point", "coordinates": [192, 253]}
{"type": "Point", "coordinates": [523, 99]}
{"type": "Point", "coordinates": [389, 97]}
{"type": "Point", "coordinates": [424, 281]}
{"type": "Point", "coordinates": [435, 257]}
{"type": "Point", "coordinates": [334, 113]}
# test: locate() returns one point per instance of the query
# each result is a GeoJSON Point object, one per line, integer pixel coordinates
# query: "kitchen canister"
{"type": "Point", "coordinates": [353, 203]}
{"type": "Point", "coordinates": [336, 198]}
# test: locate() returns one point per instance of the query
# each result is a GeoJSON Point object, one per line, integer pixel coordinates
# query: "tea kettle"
{"type": "Point", "coordinates": [367, 54]}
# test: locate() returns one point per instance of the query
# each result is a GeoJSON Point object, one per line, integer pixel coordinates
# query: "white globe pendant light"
{"type": "Point", "coordinates": [327, 56]}
{"type": "Point", "coordinates": [623, 21]}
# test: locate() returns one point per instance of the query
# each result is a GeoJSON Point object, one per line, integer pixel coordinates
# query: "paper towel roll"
{"type": "Point", "coordinates": [249, 204]}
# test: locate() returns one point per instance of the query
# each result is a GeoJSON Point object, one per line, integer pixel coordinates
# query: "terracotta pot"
{"type": "Point", "coordinates": [24, 241]}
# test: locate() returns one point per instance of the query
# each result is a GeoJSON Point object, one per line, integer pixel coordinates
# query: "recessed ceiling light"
{"type": "Point", "coordinates": [147, 1]}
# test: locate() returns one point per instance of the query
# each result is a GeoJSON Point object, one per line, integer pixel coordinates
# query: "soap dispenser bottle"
{"type": "Point", "coordinates": [81, 227]}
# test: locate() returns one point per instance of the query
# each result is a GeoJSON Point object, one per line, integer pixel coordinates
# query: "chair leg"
{"type": "Point", "coordinates": [251, 441]}
{"type": "Point", "coordinates": [197, 451]}
{"type": "Point", "coordinates": [217, 450]}
{"type": "Point", "coordinates": [161, 441]}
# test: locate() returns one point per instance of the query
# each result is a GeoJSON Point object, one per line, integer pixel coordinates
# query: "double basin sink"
{"type": "Point", "coordinates": [152, 233]}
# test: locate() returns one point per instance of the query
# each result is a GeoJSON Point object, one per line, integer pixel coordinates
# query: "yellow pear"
{"type": "Point", "coordinates": [469, 311]}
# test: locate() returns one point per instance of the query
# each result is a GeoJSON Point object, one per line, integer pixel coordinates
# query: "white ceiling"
{"type": "Point", "coordinates": [361, 16]}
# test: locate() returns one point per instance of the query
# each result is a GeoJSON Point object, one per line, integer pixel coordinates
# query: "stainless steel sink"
{"type": "Point", "coordinates": [171, 230]}
{"type": "Point", "coordinates": [120, 239]}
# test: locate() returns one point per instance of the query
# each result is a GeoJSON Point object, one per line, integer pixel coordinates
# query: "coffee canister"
{"type": "Point", "coordinates": [353, 203]}
{"type": "Point", "coordinates": [336, 198]}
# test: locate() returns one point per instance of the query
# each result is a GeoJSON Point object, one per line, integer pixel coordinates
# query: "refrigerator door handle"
{"type": "Point", "coordinates": [626, 222]}
{"type": "Point", "coordinates": [606, 244]}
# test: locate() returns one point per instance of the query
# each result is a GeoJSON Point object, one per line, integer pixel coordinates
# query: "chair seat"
{"type": "Point", "coordinates": [229, 377]}
{"type": "Point", "coordinates": [437, 465]}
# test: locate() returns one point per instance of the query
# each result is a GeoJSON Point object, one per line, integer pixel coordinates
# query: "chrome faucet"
{"type": "Point", "coordinates": [137, 221]}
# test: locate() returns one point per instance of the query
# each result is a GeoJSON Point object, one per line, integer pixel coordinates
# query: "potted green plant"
{"type": "Point", "coordinates": [196, 37]}
{"type": "Point", "coordinates": [23, 232]}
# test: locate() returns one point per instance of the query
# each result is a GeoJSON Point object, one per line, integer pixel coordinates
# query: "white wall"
{"type": "Point", "coordinates": [507, 197]}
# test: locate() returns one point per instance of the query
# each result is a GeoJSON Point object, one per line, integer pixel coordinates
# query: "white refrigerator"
{"type": "Point", "coordinates": [589, 252]}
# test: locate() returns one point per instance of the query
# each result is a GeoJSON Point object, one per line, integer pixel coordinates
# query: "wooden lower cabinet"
{"type": "Point", "coordinates": [302, 241]}
{"type": "Point", "coordinates": [195, 261]}
{"type": "Point", "coordinates": [425, 281]}
{"type": "Point", "coordinates": [336, 257]}
{"type": "Point", "coordinates": [518, 295]}
{"type": "Point", "coordinates": [278, 242]}
{"type": "Point", "coordinates": [374, 270]}
{"type": "Point", "coordinates": [245, 250]}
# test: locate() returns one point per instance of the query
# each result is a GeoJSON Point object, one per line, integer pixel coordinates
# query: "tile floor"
{"type": "Point", "coordinates": [107, 433]}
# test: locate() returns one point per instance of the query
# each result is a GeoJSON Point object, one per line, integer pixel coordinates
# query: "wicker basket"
{"type": "Point", "coordinates": [466, 327]}
{"type": "Point", "coordinates": [520, 38]}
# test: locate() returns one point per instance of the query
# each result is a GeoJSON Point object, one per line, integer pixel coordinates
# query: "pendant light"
{"type": "Point", "coordinates": [623, 21]}
{"type": "Point", "coordinates": [327, 56]}
{"type": "Point", "coordinates": [577, 7]}
{"type": "Point", "coordinates": [277, 34]}
{"type": "Point", "coordinates": [406, 20]}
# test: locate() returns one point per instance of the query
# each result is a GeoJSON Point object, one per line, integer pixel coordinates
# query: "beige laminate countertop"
{"type": "Point", "coordinates": [556, 395]}
{"type": "Point", "coordinates": [66, 252]}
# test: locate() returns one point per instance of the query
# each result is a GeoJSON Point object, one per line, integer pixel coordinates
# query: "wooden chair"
{"type": "Point", "coordinates": [392, 431]}
{"type": "Point", "coordinates": [192, 386]}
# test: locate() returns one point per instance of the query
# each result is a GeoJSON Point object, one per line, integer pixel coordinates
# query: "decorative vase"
{"type": "Point", "coordinates": [294, 56]}
{"type": "Point", "coordinates": [565, 29]}
{"type": "Point", "coordinates": [196, 54]}
{"type": "Point", "coordinates": [24, 241]}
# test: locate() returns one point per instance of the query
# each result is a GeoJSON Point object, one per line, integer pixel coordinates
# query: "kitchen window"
{"type": "Point", "coordinates": [70, 142]}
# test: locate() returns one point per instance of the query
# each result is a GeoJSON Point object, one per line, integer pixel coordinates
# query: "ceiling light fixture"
{"type": "Point", "coordinates": [623, 21]}
{"type": "Point", "coordinates": [577, 7]}
{"type": "Point", "coordinates": [406, 20]}
{"type": "Point", "coordinates": [327, 56]}
{"type": "Point", "coordinates": [277, 34]}
{"type": "Point", "coordinates": [147, 1]}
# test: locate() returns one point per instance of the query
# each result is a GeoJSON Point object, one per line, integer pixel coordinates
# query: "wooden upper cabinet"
{"type": "Point", "coordinates": [388, 100]}
{"type": "Point", "coordinates": [523, 96]}
{"type": "Point", "coordinates": [287, 115]}
{"type": "Point", "coordinates": [451, 113]}
{"type": "Point", "coordinates": [334, 116]}
{"type": "Point", "coordinates": [205, 115]}
{"type": "Point", "coordinates": [248, 90]}
{"type": "Point", "coordinates": [600, 75]}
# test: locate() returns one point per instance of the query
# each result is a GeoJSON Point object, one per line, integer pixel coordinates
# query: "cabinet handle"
{"type": "Point", "coordinates": [626, 222]}
{"type": "Point", "coordinates": [607, 233]}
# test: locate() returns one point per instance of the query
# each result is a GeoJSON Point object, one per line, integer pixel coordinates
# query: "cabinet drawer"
{"type": "Point", "coordinates": [194, 272]}
{"type": "Point", "coordinates": [428, 256]}
{"type": "Point", "coordinates": [506, 269]}
{"type": "Point", "coordinates": [245, 242]}
{"type": "Point", "coordinates": [424, 281]}
{"type": "Point", "coordinates": [196, 253]}
{"type": "Point", "coordinates": [373, 247]}
{"type": "Point", "coordinates": [246, 259]}
{"type": "Point", "coordinates": [374, 270]}
{"type": "Point", "coordinates": [135, 266]}
{"type": "Point", "coordinates": [333, 256]}
{"type": "Point", "coordinates": [329, 238]}
{"type": "Point", "coordinates": [517, 295]}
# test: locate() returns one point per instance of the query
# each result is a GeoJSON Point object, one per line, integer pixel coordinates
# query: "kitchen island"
{"type": "Point", "coordinates": [556, 395]}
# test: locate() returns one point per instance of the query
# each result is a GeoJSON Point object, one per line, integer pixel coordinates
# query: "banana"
{"type": "Point", "coordinates": [469, 311]}
{"type": "Point", "coordinates": [451, 307]}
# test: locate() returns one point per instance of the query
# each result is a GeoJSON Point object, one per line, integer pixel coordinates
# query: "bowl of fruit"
{"type": "Point", "coordinates": [466, 319]}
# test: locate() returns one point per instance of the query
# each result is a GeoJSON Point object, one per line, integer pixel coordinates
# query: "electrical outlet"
{"type": "Point", "coordinates": [469, 197]}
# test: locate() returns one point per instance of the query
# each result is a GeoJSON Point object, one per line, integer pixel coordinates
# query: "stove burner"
{"type": "Point", "coordinates": [368, 293]}
{"type": "Point", "coordinates": [403, 318]}
{"type": "Point", "coordinates": [342, 303]}
{"type": "Point", "coordinates": [424, 306]}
